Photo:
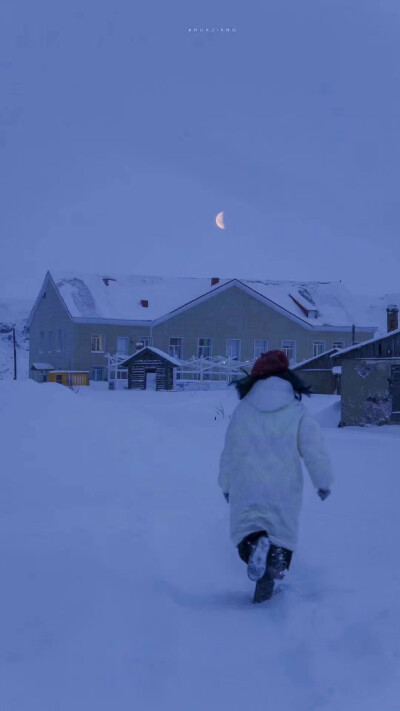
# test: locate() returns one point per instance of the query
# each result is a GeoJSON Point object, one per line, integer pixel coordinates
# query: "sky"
{"type": "Point", "coordinates": [124, 131]}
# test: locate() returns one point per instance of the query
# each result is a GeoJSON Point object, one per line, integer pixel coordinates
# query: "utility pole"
{"type": "Point", "coordinates": [15, 354]}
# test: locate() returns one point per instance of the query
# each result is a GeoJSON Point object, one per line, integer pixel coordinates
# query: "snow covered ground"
{"type": "Point", "coordinates": [121, 590]}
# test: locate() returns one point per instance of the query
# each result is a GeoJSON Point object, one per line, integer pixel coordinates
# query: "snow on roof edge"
{"type": "Point", "coordinates": [157, 351]}
{"type": "Point", "coordinates": [366, 343]}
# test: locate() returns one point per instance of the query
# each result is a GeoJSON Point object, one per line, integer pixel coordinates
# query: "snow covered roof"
{"type": "Point", "coordinates": [317, 357]}
{"type": "Point", "coordinates": [149, 298]}
{"type": "Point", "coordinates": [381, 337]}
{"type": "Point", "coordinates": [164, 355]}
{"type": "Point", "coordinates": [42, 366]}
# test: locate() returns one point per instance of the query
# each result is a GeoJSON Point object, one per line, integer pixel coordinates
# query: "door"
{"type": "Point", "coordinates": [151, 380]}
{"type": "Point", "coordinates": [233, 348]}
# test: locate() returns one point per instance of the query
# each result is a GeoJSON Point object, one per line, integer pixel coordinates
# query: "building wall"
{"type": "Point", "coordinates": [235, 314]}
{"type": "Point", "coordinates": [366, 394]}
{"type": "Point", "coordinates": [230, 314]}
{"type": "Point", "coordinates": [51, 315]}
{"type": "Point", "coordinates": [322, 382]}
{"type": "Point", "coordinates": [84, 359]}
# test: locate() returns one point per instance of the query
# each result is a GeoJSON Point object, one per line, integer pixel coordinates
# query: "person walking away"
{"type": "Point", "coordinates": [260, 472]}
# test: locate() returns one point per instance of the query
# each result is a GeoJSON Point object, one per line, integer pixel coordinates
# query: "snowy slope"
{"type": "Point", "coordinates": [14, 313]}
{"type": "Point", "coordinates": [121, 590]}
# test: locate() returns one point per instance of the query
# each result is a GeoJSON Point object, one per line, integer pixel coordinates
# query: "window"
{"type": "Point", "coordinates": [59, 343]}
{"type": "Point", "coordinates": [260, 346]}
{"type": "Point", "coordinates": [176, 348]}
{"type": "Point", "coordinates": [59, 378]}
{"type": "Point", "coordinates": [41, 342]}
{"type": "Point", "coordinates": [338, 344]}
{"type": "Point", "coordinates": [96, 374]}
{"type": "Point", "coordinates": [122, 374]}
{"type": "Point", "coordinates": [319, 347]}
{"type": "Point", "coordinates": [123, 345]}
{"type": "Point", "coordinates": [233, 348]}
{"type": "Point", "coordinates": [204, 348]}
{"type": "Point", "coordinates": [144, 342]}
{"type": "Point", "coordinates": [50, 341]}
{"type": "Point", "coordinates": [289, 348]}
{"type": "Point", "coordinates": [97, 344]}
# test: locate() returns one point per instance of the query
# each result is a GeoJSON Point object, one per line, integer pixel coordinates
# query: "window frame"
{"type": "Point", "coordinates": [42, 341]}
{"type": "Point", "coordinates": [335, 344]}
{"type": "Point", "coordinates": [97, 368]}
{"type": "Point", "coordinates": [50, 342]}
{"type": "Point", "coordinates": [210, 346]}
{"type": "Point", "coordinates": [260, 340]}
{"type": "Point", "coordinates": [292, 347]}
{"type": "Point", "coordinates": [59, 340]}
{"type": "Point", "coordinates": [101, 341]}
{"type": "Point", "coordinates": [173, 346]}
{"type": "Point", "coordinates": [126, 339]}
{"type": "Point", "coordinates": [233, 340]}
{"type": "Point", "coordinates": [316, 344]}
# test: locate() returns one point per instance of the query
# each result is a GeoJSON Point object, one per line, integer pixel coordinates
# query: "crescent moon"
{"type": "Point", "coordinates": [220, 221]}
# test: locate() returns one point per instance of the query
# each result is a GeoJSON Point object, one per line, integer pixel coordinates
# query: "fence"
{"type": "Point", "coordinates": [194, 374]}
{"type": "Point", "coordinates": [209, 373]}
{"type": "Point", "coordinates": [117, 376]}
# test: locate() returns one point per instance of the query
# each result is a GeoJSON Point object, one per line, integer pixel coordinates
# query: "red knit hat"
{"type": "Point", "coordinates": [270, 363]}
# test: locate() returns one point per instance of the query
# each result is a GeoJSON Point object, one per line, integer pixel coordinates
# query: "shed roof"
{"type": "Point", "coordinates": [42, 366]}
{"type": "Point", "coordinates": [158, 352]}
{"type": "Point", "coordinates": [308, 361]}
{"type": "Point", "coordinates": [358, 346]}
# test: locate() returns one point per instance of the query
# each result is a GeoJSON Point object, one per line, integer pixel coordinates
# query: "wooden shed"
{"type": "Point", "coordinates": [371, 379]}
{"type": "Point", "coordinates": [40, 372]}
{"type": "Point", "coordinates": [151, 369]}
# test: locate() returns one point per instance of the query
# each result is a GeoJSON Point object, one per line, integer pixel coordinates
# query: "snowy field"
{"type": "Point", "coordinates": [120, 589]}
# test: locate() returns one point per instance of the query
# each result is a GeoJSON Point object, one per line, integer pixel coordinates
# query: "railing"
{"type": "Point", "coordinates": [196, 373]}
{"type": "Point", "coordinates": [208, 373]}
{"type": "Point", "coordinates": [117, 376]}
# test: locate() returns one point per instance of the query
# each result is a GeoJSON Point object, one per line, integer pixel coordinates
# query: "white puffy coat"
{"type": "Point", "coordinates": [260, 468]}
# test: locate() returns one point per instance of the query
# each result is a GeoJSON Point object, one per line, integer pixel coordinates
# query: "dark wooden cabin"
{"type": "Point", "coordinates": [150, 369]}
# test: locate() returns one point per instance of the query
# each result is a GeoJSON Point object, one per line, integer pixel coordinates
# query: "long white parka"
{"type": "Point", "coordinates": [260, 468]}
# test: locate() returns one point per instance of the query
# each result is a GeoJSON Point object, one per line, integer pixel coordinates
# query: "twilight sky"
{"type": "Point", "coordinates": [123, 133]}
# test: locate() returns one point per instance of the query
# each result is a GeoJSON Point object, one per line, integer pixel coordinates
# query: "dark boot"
{"type": "Point", "coordinates": [278, 562]}
{"type": "Point", "coordinates": [264, 587]}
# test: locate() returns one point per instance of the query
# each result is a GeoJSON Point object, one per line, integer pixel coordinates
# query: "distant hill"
{"type": "Point", "coordinates": [14, 313]}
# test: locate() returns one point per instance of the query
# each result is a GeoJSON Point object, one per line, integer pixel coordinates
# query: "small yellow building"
{"type": "Point", "coordinates": [71, 378]}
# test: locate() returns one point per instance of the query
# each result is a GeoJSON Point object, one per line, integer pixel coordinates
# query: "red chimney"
{"type": "Point", "coordinates": [392, 314]}
{"type": "Point", "coordinates": [144, 303]}
{"type": "Point", "coordinates": [214, 281]}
